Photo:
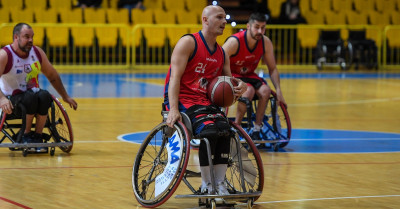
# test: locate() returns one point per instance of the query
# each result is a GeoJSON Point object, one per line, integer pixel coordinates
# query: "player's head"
{"type": "Point", "coordinates": [256, 25]}
{"type": "Point", "coordinates": [213, 19]}
{"type": "Point", "coordinates": [23, 36]}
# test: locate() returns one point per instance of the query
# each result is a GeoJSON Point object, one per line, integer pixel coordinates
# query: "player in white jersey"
{"type": "Point", "coordinates": [20, 64]}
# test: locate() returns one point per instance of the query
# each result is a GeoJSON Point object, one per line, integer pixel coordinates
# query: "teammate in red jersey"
{"type": "Point", "coordinates": [195, 61]}
{"type": "Point", "coordinates": [245, 50]}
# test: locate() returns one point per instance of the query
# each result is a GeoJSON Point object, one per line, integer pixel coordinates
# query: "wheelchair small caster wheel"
{"type": "Point", "coordinates": [213, 204]}
{"type": "Point", "coordinates": [52, 151]}
{"type": "Point", "coordinates": [250, 203]}
{"type": "Point", "coordinates": [275, 147]}
{"type": "Point", "coordinates": [25, 152]}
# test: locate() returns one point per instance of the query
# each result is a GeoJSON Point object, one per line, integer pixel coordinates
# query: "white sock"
{"type": "Point", "coordinates": [220, 171]}
{"type": "Point", "coordinates": [205, 175]}
{"type": "Point", "coordinates": [257, 127]}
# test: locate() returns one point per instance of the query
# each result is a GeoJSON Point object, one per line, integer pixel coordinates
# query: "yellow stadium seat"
{"type": "Point", "coordinates": [385, 6]}
{"type": "Point", "coordinates": [18, 15]}
{"type": "Point", "coordinates": [4, 15]}
{"type": "Point", "coordinates": [36, 4]}
{"type": "Point", "coordinates": [6, 34]}
{"type": "Point", "coordinates": [174, 34]}
{"type": "Point", "coordinates": [155, 37]}
{"type": "Point", "coordinates": [174, 5]}
{"type": "Point", "coordinates": [112, 4]}
{"type": "Point", "coordinates": [192, 5]}
{"type": "Point", "coordinates": [321, 5]}
{"type": "Point", "coordinates": [46, 16]}
{"type": "Point", "coordinates": [82, 36]}
{"type": "Point", "coordinates": [314, 18]}
{"type": "Point", "coordinates": [373, 34]}
{"type": "Point", "coordinates": [342, 5]}
{"type": "Point", "coordinates": [304, 7]}
{"type": "Point", "coordinates": [142, 16]}
{"type": "Point", "coordinates": [120, 16]}
{"type": "Point", "coordinates": [60, 4]}
{"type": "Point", "coordinates": [379, 19]}
{"type": "Point", "coordinates": [275, 7]}
{"type": "Point", "coordinates": [333, 18]}
{"type": "Point", "coordinates": [194, 29]}
{"type": "Point", "coordinates": [153, 4]}
{"type": "Point", "coordinates": [393, 38]}
{"type": "Point", "coordinates": [38, 35]}
{"type": "Point", "coordinates": [71, 16]}
{"type": "Point", "coordinates": [308, 37]}
{"type": "Point", "coordinates": [222, 38]}
{"type": "Point", "coordinates": [355, 18]}
{"type": "Point", "coordinates": [91, 15]}
{"type": "Point", "coordinates": [163, 17]}
{"type": "Point", "coordinates": [17, 4]}
{"type": "Point", "coordinates": [395, 17]}
{"type": "Point", "coordinates": [364, 5]}
{"type": "Point", "coordinates": [107, 36]}
{"type": "Point", "coordinates": [184, 17]}
{"type": "Point", "coordinates": [57, 36]}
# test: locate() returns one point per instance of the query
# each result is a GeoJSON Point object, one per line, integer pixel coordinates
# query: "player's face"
{"type": "Point", "coordinates": [217, 21]}
{"type": "Point", "coordinates": [25, 39]}
{"type": "Point", "coordinates": [257, 29]}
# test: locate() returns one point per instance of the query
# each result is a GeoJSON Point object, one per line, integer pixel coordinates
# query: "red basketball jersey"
{"type": "Point", "coordinates": [202, 67]}
{"type": "Point", "coordinates": [245, 61]}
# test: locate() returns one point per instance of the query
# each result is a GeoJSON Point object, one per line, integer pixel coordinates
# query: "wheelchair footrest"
{"type": "Point", "coordinates": [230, 196]}
{"type": "Point", "coordinates": [267, 141]}
{"type": "Point", "coordinates": [29, 145]}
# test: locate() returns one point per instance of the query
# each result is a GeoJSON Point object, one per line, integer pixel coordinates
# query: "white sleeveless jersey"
{"type": "Point", "coordinates": [21, 73]}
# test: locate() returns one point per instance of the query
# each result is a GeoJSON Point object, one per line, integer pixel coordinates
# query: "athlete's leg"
{"type": "Point", "coordinates": [241, 107]}
{"type": "Point", "coordinates": [263, 94]}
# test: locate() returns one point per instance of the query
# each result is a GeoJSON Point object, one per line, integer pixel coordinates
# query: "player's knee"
{"type": "Point", "coordinates": [45, 100]}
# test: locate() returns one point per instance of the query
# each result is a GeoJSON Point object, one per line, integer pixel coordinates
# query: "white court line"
{"type": "Point", "coordinates": [345, 102]}
{"type": "Point", "coordinates": [327, 198]}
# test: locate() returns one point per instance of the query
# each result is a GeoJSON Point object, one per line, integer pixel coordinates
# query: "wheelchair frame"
{"type": "Point", "coordinates": [273, 132]}
{"type": "Point", "coordinates": [58, 128]}
{"type": "Point", "coordinates": [162, 161]}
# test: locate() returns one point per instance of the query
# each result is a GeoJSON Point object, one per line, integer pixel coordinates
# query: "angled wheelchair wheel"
{"type": "Point", "coordinates": [59, 125]}
{"type": "Point", "coordinates": [276, 121]}
{"type": "Point", "coordinates": [160, 164]}
{"type": "Point", "coordinates": [252, 166]}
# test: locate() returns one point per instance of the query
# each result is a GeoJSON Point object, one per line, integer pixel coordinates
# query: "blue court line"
{"type": "Point", "coordinates": [323, 141]}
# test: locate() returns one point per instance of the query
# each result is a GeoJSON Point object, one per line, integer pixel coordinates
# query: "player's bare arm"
{"type": "Point", "coordinates": [241, 87]}
{"type": "Point", "coordinates": [180, 56]}
{"type": "Point", "coordinates": [55, 80]}
{"type": "Point", "coordinates": [269, 59]}
{"type": "Point", "coordinates": [5, 103]}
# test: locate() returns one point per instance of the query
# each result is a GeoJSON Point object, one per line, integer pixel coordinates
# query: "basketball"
{"type": "Point", "coordinates": [220, 91]}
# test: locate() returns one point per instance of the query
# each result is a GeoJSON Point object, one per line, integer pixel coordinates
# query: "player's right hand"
{"type": "Point", "coordinates": [5, 105]}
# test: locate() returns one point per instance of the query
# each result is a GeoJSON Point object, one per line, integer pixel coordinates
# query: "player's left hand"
{"type": "Point", "coordinates": [280, 98]}
{"type": "Point", "coordinates": [72, 103]}
{"type": "Point", "coordinates": [240, 88]}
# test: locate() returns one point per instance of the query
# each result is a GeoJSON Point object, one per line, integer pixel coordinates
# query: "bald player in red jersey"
{"type": "Point", "coordinates": [195, 61]}
{"type": "Point", "coordinates": [245, 49]}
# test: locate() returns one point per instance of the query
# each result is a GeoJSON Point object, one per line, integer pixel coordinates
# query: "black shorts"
{"type": "Point", "coordinates": [256, 83]}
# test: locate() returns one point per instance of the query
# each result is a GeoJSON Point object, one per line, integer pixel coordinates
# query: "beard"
{"type": "Point", "coordinates": [25, 48]}
{"type": "Point", "coordinates": [256, 36]}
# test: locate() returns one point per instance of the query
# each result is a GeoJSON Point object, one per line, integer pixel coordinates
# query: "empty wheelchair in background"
{"type": "Point", "coordinates": [276, 129]}
{"type": "Point", "coordinates": [362, 51]}
{"type": "Point", "coordinates": [331, 50]}
{"type": "Point", "coordinates": [162, 163]}
{"type": "Point", "coordinates": [56, 133]}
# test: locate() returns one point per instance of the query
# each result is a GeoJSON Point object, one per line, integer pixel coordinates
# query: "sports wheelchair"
{"type": "Point", "coordinates": [57, 129]}
{"type": "Point", "coordinates": [276, 130]}
{"type": "Point", "coordinates": [162, 160]}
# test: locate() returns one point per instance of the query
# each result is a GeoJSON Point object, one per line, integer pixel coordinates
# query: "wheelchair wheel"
{"type": "Point", "coordinates": [59, 125]}
{"type": "Point", "coordinates": [276, 121]}
{"type": "Point", "coordinates": [160, 164]}
{"type": "Point", "coordinates": [253, 169]}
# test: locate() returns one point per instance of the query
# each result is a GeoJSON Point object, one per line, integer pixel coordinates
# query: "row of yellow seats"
{"type": "Point", "coordinates": [307, 6]}
{"type": "Point", "coordinates": [189, 5]}
{"type": "Point", "coordinates": [354, 18]}
{"type": "Point", "coordinates": [107, 36]}
{"type": "Point", "coordinates": [102, 16]}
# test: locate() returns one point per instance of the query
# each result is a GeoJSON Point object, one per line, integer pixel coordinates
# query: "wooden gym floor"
{"type": "Point", "coordinates": [97, 172]}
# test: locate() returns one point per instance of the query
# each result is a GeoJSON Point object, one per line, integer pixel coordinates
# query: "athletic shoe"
{"type": "Point", "coordinates": [221, 189]}
{"type": "Point", "coordinates": [38, 138]}
{"type": "Point", "coordinates": [206, 189]}
{"type": "Point", "coordinates": [255, 136]}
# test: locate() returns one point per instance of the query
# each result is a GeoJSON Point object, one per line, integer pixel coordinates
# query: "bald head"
{"type": "Point", "coordinates": [211, 9]}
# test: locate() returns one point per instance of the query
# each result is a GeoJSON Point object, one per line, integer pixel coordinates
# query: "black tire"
{"type": "Point", "coordinates": [253, 166]}
{"type": "Point", "coordinates": [152, 160]}
{"type": "Point", "coordinates": [59, 125]}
